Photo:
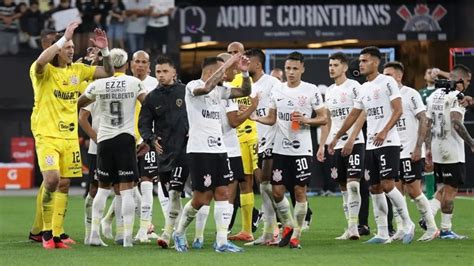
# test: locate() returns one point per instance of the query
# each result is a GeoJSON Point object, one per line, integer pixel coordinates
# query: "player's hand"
{"type": "Point", "coordinates": [380, 138]}
{"type": "Point", "coordinates": [254, 117]}
{"type": "Point", "coordinates": [70, 30]}
{"type": "Point", "coordinates": [429, 159]}
{"type": "Point", "coordinates": [435, 72]}
{"type": "Point", "coordinates": [243, 63]}
{"type": "Point", "coordinates": [142, 149]}
{"type": "Point", "coordinates": [255, 100]}
{"type": "Point", "coordinates": [158, 147]}
{"type": "Point", "coordinates": [466, 101]}
{"type": "Point", "coordinates": [299, 117]}
{"type": "Point", "coordinates": [231, 61]}
{"type": "Point", "coordinates": [416, 155]}
{"type": "Point", "coordinates": [320, 154]}
{"type": "Point", "coordinates": [347, 149]}
{"type": "Point", "coordinates": [331, 146]}
{"type": "Point", "coordinates": [100, 39]}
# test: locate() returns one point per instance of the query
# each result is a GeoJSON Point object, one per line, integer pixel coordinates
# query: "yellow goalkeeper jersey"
{"type": "Point", "coordinates": [56, 91]}
{"type": "Point", "coordinates": [247, 130]}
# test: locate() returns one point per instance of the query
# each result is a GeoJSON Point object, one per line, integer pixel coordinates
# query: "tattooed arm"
{"type": "Point", "coordinates": [458, 126]}
{"type": "Point", "coordinates": [245, 90]}
{"type": "Point", "coordinates": [421, 136]}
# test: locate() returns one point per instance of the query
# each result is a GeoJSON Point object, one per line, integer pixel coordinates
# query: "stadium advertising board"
{"type": "Point", "coordinates": [321, 22]}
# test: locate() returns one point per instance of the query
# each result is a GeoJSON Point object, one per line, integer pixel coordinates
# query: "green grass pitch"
{"type": "Point", "coordinates": [319, 246]}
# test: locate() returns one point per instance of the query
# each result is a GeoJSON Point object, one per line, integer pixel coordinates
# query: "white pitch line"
{"type": "Point", "coordinates": [465, 198]}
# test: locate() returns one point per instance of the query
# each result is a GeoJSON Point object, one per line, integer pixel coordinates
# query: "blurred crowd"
{"type": "Point", "coordinates": [131, 24]}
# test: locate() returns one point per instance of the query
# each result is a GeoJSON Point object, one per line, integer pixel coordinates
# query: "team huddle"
{"type": "Point", "coordinates": [233, 125]}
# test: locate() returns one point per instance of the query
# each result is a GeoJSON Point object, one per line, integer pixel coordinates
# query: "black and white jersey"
{"type": "Point", "coordinates": [205, 118]}
{"type": "Point", "coordinates": [340, 101]}
{"type": "Point", "coordinates": [375, 98]}
{"type": "Point", "coordinates": [231, 141]}
{"type": "Point", "coordinates": [407, 125]}
{"type": "Point", "coordinates": [264, 87]}
{"type": "Point", "coordinates": [446, 145]}
{"type": "Point", "coordinates": [116, 98]}
{"type": "Point", "coordinates": [95, 115]}
{"type": "Point", "coordinates": [304, 99]}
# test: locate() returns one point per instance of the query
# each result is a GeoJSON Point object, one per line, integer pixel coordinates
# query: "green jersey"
{"type": "Point", "coordinates": [426, 92]}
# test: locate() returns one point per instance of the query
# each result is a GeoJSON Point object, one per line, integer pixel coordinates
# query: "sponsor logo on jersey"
{"type": "Point", "coordinates": [66, 95]}
{"type": "Point", "coordinates": [207, 180]}
{"type": "Point", "coordinates": [213, 141]}
{"type": "Point", "coordinates": [413, 101]}
{"type": "Point", "coordinates": [290, 144]}
{"type": "Point", "coordinates": [101, 173]}
{"type": "Point", "coordinates": [248, 129]}
{"type": "Point", "coordinates": [277, 177]}
{"type": "Point", "coordinates": [66, 127]}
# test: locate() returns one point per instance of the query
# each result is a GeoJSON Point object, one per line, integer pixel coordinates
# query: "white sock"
{"type": "Point", "coordinates": [147, 204]}
{"type": "Point", "coordinates": [399, 202]}
{"type": "Point", "coordinates": [201, 220]}
{"type": "Point", "coordinates": [435, 206]}
{"type": "Point", "coordinates": [164, 201]}
{"type": "Point", "coordinates": [353, 203]}
{"type": "Point", "coordinates": [379, 203]}
{"type": "Point", "coordinates": [397, 218]}
{"type": "Point", "coordinates": [117, 205]}
{"type": "Point", "coordinates": [174, 208]}
{"type": "Point", "coordinates": [109, 216]}
{"type": "Point", "coordinates": [222, 217]}
{"type": "Point", "coordinates": [128, 207]}
{"type": "Point", "coordinates": [98, 206]}
{"type": "Point", "coordinates": [446, 221]}
{"type": "Point", "coordinates": [186, 218]}
{"type": "Point", "coordinates": [423, 206]}
{"type": "Point", "coordinates": [269, 215]}
{"type": "Point", "coordinates": [283, 209]}
{"type": "Point", "coordinates": [88, 214]}
{"type": "Point", "coordinates": [137, 198]}
{"type": "Point", "coordinates": [301, 208]}
{"type": "Point", "coordinates": [344, 205]}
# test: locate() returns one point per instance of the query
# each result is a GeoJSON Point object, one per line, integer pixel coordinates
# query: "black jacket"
{"type": "Point", "coordinates": [163, 115]}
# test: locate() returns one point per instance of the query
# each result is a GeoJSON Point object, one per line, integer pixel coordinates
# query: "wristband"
{"type": "Point", "coordinates": [245, 74]}
{"type": "Point", "coordinates": [105, 51]}
{"type": "Point", "coordinates": [61, 42]}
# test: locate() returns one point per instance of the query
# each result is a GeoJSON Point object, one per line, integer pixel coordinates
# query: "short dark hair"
{"type": "Point", "coordinates": [462, 68]}
{"type": "Point", "coordinates": [162, 59]}
{"type": "Point", "coordinates": [340, 56]}
{"type": "Point", "coordinates": [211, 60]}
{"type": "Point", "coordinates": [395, 65]}
{"type": "Point", "coordinates": [297, 56]}
{"type": "Point", "coordinates": [255, 52]}
{"type": "Point", "coordinates": [373, 51]}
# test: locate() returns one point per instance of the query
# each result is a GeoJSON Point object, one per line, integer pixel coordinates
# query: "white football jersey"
{"type": "Point", "coordinates": [205, 118]}
{"type": "Point", "coordinates": [340, 101]}
{"type": "Point", "coordinates": [231, 141]}
{"type": "Point", "coordinates": [116, 98]}
{"type": "Point", "coordinates": [304, 99]}
{"type": "Point", "coordinates": [407, 125]}
{"type": "Point", "coordinates": [375, 97]}
{"type": "Point", "coordinates": [150, 83]}
{"type": "Point", "coordinates": [264, 87]}
{"type": "Point", "coordinates": [446, 145]}
{"type": "Point", "coordinates": [95, 115]}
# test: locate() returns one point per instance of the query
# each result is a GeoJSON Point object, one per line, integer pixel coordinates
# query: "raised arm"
{"type": "Point", "coordinates": [397, 111]}
{"type": "Point", "coordinates": [246, 87]}
{"type": "Point", "coordinates": [48, 54]}
{"type": "Point", "coordinates": [216, 77]}
{"type": "Point", "coordinates": [100, 41]}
